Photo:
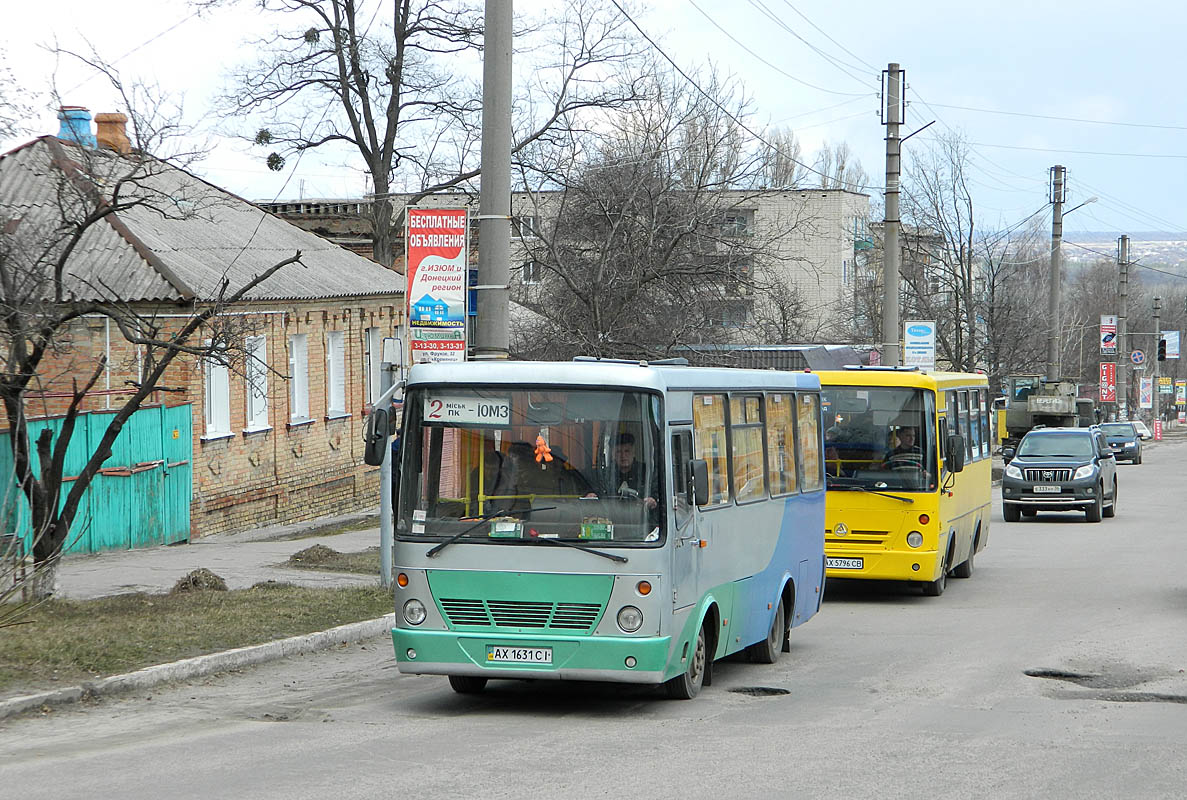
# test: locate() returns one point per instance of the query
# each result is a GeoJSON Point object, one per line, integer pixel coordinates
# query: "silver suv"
{"type": "Point", "coordinates": [1060, 469]}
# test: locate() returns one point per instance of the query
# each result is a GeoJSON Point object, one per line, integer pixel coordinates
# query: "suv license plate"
{"type": "Point", "coordinates": [519, 655]}
{"type": "Point", "coordinates": [1041, 489]}
{"type": "Point", "coordinates": [843, 563]}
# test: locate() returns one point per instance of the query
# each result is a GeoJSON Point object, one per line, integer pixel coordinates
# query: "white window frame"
{"type": "Point", "coordinates": [298, 378]}
{"type": "Point", "coordinates": [216, 398]}
{"type": "Point", "coordinates": [335, 374]}
{"type": "Point", "coordinates": [372, 354]}
{"type": "Point", "coordinates": [256, 388]}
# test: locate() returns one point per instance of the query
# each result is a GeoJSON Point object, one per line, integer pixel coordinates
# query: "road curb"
{"type": "Point", "coordinates": [201, 665]}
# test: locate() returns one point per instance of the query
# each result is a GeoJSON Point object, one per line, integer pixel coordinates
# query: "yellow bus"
{"type": "Point", "coordinates": [907, 455]}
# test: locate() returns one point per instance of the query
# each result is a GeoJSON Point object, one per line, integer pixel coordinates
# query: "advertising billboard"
{"type": "Point", "coordinates": [1108, 334]}
{"type": "Point", "coordinates": [919, 343]}
{"type": "Point", "coordinates": [436, 293]}
{"type": "Point", "coordinates": [1108, 382]}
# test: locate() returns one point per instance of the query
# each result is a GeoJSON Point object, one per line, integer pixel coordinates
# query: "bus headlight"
{"type": "Point", "coordinates": [630, 619]}
{"type": "Point", "coordinates": [914, 539]}
{"type": "Point", "coordinates": [1013, 472]}
{"type": "Point", "coordinates": [414, 612]}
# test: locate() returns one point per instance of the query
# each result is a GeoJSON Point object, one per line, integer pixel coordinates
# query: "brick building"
{"type": "Point", "coordinates": [277, 436]}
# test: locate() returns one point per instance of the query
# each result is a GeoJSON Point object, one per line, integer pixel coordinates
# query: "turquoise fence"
{"type": "Point", "coordinates": [140, 498]}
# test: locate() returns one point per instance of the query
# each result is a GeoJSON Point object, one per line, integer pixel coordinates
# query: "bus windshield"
{"type": "Point", "coordinates": [879, 438]}
{"type": "Point", "coordinates": [499, 463]}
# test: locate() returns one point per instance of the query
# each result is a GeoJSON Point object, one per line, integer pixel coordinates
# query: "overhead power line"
{"type": "Point", "coordinates": [722, 108]}
{"type": "Point", "coordinates": [1065, 119]}
{"type": "Point", "coordinates": [836, 62]}
{"type": "Point", "coordinates": [826, 36]}
{"type": "Point", "coordinates": [778, 69]}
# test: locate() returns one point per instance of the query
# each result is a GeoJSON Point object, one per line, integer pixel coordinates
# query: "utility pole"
{"type": "Point", "coordinates": [1054, 320]}
{"type": "Point", "coordinates": [892, 117]}
{"type": "Point", "coordinates": [1122, 341]}
{"type": "Point", "coordinates": [491, 335]}
{"type": "Point", "coordinates": [1157, 339]}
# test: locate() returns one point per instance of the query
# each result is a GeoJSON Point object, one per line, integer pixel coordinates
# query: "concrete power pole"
{"type": "Point", "coordinates": [1122, 340]}
{"type": "Point", "coordinates": [1157, 339]}
{"type": "Point", "coordinates": [891, 253]}
{"type": "Point", "coordinates": [1055, 321]}
{"type": "Point", "coordinates": [492, 335]}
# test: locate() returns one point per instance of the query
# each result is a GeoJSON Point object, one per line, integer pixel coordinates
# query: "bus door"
{"type": "Point", "coordinates": [684, 536]}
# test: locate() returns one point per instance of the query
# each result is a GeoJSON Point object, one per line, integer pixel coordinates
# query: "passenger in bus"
{"type": "Point", "coordinates": [628, 477]}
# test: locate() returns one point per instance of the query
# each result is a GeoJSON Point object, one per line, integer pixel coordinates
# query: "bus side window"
{"type": "Point", "coordinates": [746, 437]}
{"type": "Point", "coordinates": [781, 443]}
{"type": "Point", "coordinates": [681, 453]}
{"type": "Point", "coordinates": [709, 443]}
{"type": "Point", "coordinates": [808, 425]}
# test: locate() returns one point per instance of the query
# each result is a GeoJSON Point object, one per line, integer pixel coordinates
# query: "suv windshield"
{"type": "Point", "coordinates": [879, 438]}
{"type": "Point", "coordinates": [504, 463]}
{"type": "Point", "coordinates": [1118, 429]}
{"type": "Point", "coordinates": [1051, 445]}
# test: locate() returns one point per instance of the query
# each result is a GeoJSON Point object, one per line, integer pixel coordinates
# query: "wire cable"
{"type": "Point", "coordinates": [826, 36]}
{"type": "Point", "coordinates": [722, 108]}
{"type": "Point", "coordinates": [780, 70]}
{"type": "Point", "coordinates": [1065, 119]}
{"type": "Point", "coordinates": [836, 62]}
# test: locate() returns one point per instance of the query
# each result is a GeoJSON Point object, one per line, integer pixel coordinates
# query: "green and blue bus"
{"type": "Point", "coordinates": [608, 521]}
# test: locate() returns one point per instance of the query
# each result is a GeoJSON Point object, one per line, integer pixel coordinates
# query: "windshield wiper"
{"type": "Point", "coordinates": [478, 522]}
{"type": "Point", "coordinates": [852, 487]}
{"type": "Point", "coordinates": [586, 548]}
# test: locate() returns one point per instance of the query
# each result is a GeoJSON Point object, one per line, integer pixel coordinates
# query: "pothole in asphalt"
{"type": "Point", "coordinates": [760, 691]}
{"type": "Point", "coordinates": [1106, 686]}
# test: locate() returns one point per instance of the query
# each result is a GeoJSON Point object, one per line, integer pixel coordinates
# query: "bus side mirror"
{"type": "Point", "coordinates": [954, 453]}
{"type": "Point", "coordinates": [699, 472]}
{"type": "Point", "coordinates": [375, 436]}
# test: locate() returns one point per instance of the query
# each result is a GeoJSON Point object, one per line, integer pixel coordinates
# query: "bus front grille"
{"type": "Point", "coordinates": [521, 614]}
{"type": "Point", "coordinates": [856, 539]}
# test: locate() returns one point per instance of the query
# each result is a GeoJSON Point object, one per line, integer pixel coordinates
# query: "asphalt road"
{"type": "Point", "coordinates": [1056, 671]}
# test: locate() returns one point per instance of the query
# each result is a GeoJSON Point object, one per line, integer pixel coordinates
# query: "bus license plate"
{"type": "Point", "coordinates": [519, 655]}
{"type": "Point", "coordinates": [843, 563]}
{"type": "Point", "coordinates": [1043, 489]}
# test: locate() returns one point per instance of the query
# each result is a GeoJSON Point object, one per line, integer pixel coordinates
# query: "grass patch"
{"type": "Point", "coordinates": [326, 559]}
{"type": "Point", "coordinates": [67, 641]}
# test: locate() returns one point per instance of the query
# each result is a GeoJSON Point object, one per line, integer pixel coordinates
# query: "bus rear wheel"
{"type": "Point", "coordinates": [767, 651]}
{"type": "Point", "coordinates": [467, 684]}
{"type": "Point", "coordinates": [687, 684]}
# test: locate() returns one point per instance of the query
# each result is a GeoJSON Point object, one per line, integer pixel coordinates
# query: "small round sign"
{"type": "Point", "coordinates": [1137, 357]}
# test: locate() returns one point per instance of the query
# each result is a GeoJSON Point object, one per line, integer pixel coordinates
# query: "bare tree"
{"type": "Point", "coordinates": [14, 101]}
{"type": "Point", "coordinates": [650, 240]}
{"type": "Point", "coordinates": [783, 163]}
{"type": "Point", "coordinates": [51, 281]}
{"type": "Point", "coordinates": [389, 83]}
{"type": "Point", "coordinates": [836, 168]}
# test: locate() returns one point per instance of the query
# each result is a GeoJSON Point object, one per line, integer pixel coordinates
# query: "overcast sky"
{"type": "Point", "coordinates": [1116, 68]}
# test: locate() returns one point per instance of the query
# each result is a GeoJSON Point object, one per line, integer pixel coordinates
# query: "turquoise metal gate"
{"type": "Point", "coordinates": [141, 496]}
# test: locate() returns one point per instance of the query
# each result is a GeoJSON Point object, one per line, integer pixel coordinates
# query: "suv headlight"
{"type": "Point", "coordinates": [1013, 472]}
{"type": "Point", "coordinates": [1084, 471]}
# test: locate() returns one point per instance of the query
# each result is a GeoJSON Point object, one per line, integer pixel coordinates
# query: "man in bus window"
{"type": "Point", "coordinates": [907, 452]}
{"type": "Point", "coordinates": [628, 478]}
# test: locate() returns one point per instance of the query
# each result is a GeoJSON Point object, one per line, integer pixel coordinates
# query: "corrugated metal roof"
{"type": "Point", "coordinates": [183, 241]}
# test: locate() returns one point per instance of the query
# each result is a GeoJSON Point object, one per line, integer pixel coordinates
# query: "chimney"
{"type": "Point", "coordinates": [111, 133]}
{"type": "Point", "coordinates": [76, 125]}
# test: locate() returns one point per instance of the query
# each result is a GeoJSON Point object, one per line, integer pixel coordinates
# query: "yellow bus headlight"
{"type": "Point", "coordinates": [914, 539]}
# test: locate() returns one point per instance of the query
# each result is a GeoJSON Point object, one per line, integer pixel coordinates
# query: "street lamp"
{"type": "Point", "coordinates": [1092, 199]}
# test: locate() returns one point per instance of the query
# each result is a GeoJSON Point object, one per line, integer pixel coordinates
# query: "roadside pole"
{"type": "Point", "coordinates": [1122, 340]}
{"type": "Point", "coordinates": [892, 118]}
{"type": "Point", "coordinates": [1157, 363]}
{"type": "Point", "coordinates": [1054, 320]}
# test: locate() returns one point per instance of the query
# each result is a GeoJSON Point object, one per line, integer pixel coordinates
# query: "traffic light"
{"type": "Point", "coordinates": [1162, 349]}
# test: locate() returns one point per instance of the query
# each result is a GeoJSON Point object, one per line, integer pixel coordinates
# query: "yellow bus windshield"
{"type": "Point", "coordinates": [879, 438]}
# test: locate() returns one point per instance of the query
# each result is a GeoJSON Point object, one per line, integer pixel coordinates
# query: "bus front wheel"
{"type": "Point", "coordinates": [936, 588]}
{"type": "Point", "coordinates": [467, 684]}
{"type": "Point", "coordinates": [767, 651]}
{"type": "Point", "coordinates": [687, 684]}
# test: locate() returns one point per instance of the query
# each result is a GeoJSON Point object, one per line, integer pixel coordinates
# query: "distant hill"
{"type": "Point", "coordinates": [1166, 250]}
